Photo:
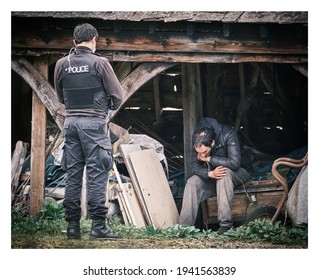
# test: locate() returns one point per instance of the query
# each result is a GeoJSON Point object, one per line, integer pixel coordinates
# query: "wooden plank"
{"type": "Point", "coordinates": [262, 183]}
{"type": "Point", "coordinates": [131, 198]}
{"type": "Point", "coordinates": [16, 165]}
{"type": "Point", "coordinates": [126, 149]}
{"type": "Point", "coordinates": [181, 57]}
{"type": "Point", "coordinates": [259, 186]}
{"type": "Point", "coordinates": [125, 203]}
{"type": "Point", "coordinates": [155, 188]}
{"type": "Point", "coordinates": [241, 204]}
{"type": "Point", "coordinates": [123, 210]}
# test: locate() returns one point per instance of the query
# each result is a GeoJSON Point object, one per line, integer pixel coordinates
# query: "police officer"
{"type": "Point", "coordinates": [87, 85]}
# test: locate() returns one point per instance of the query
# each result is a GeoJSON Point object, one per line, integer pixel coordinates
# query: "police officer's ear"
{"type": "Point", "coordinates": [93, 43]}
{"type": "Point", "coordinates": [74, 42]}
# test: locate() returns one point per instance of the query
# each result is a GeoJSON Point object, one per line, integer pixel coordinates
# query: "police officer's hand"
{"type": "Point", "coordinates": [218, 173]}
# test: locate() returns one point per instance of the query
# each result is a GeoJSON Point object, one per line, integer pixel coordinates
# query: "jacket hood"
{"type": "Point", "coordinates": [211, 123]}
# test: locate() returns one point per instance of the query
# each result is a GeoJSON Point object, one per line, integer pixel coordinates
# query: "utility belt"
{"type": "Point", "coordinates": [84, 116]}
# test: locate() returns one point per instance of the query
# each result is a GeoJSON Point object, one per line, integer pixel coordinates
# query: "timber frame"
{"type": "Point", "coordinates": [143, 44]}
{"type": "Point", "coordinates": [193, 37]}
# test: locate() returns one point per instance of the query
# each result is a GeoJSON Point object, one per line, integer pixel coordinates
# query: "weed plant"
{"type": "Point", "coordinates": [50, 222]}
{"type": "Point", "coordinates": [264, 230]}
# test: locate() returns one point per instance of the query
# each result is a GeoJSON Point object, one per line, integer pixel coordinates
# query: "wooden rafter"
{"type": "Point", "coordinates": [42, 87]}
{"type": "Point", "coordinates": [46, 92]}
{"type": "Point", "coordinates": [139, 77]}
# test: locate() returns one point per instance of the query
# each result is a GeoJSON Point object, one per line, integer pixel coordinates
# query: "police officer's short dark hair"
{"type": "Point", "coordinates": [84, 32]}
{"type": "Point", "coordinates": [203, 136]}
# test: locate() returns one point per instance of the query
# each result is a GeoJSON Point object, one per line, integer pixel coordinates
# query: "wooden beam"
{"type": "Point", "coordinates": [302, 68]}
{"type": "Point", "coordinates": [166, 42]}
{"type": "Point", "coordinates": [122, 69]}
{"type": "Point", "coordinates": [42, 87]}
{"type": "Point", "coordinates": [177, 57]}
{"type": "Point", "coordinates": [38, 134]}
{"type": "Point", "coordinates": [208, 42]}
{"type": "Point", "coordinates": [184, 57]}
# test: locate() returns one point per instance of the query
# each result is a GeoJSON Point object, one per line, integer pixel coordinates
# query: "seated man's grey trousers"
{"type": "Point", "coordinates": [198, 190]}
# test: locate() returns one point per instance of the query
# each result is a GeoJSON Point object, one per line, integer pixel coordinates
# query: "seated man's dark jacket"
{"type": "Point", "coordinates": [226, 153]}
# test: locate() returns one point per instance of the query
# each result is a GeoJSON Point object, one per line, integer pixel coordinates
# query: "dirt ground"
{"type": "Point", "coordinates": [156, 243]}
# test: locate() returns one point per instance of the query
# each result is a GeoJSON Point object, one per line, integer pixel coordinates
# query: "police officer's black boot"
{"type": "Point", "coordinates": [73, 230]}
{"type": "Point", "coordinates": [100, 231]}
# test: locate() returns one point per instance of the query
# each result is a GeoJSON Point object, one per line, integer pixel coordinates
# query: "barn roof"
{"type": "Point", "coordinates": [175, 16]}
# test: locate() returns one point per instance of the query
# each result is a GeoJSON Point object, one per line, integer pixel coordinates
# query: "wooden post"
{"type": "Point", "coordinates": [241, 79]}
{"type": "Point", "coordinates": [38, 133]}
{"type": "Point", "coordinates": [242, 87]}
{"type": "Point", "coordinates": [157, 98]}
{"type": "Point", "coordinates": [192, 109]}
{"type": "Point", "coordinates": [214, 98]}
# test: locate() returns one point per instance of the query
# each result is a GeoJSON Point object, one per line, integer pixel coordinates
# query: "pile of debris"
{"type": "Point", "coordinates": [142, 194]}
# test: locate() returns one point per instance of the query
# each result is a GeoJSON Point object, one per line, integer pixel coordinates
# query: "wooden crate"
{"type": "Point", "coordinates": [246, 199]}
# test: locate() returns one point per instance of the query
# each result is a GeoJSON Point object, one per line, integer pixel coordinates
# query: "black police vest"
{"type": "Point", "coordinates": [82, 88]}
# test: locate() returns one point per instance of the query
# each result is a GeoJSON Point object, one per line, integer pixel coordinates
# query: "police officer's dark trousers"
{"type": "Point", "coordinates": [86, 144]}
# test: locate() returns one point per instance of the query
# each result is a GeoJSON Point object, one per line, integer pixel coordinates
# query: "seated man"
{"type": "Point", "coordinates": [216, 169]}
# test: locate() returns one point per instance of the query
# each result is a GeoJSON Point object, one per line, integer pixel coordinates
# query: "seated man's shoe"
{"type": "Point", "coordinates": [223, 229]}
{"type": "Point", "coordinates": [73, 230]}
{"type": "Point", "coordinates": [100, 231]}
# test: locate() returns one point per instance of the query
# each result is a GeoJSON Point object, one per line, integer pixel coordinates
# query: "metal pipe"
{"type": "Point", "coordinates": [297, 163]}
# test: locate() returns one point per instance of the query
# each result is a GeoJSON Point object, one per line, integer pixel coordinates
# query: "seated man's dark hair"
{"type": "Point", "coordinates": [84, 32]}
{"type": "Point", "coordinates": [203, 136]}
